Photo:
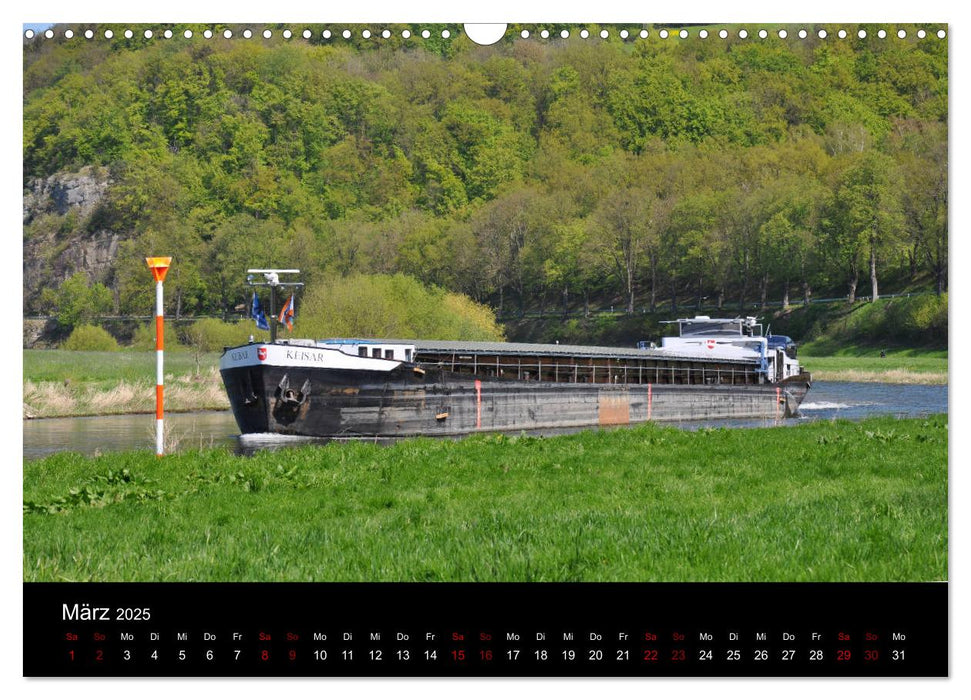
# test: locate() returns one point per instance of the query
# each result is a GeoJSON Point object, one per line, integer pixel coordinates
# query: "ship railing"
{"type": "Point", "coordinates": [670, 372]}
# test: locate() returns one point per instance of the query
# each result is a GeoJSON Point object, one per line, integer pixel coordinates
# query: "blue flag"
{"type": "Point", "coordinates": [256, 311]}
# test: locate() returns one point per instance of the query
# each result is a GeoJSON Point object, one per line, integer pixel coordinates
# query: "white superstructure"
{"type": "Point", "coordinates": [731, 338]}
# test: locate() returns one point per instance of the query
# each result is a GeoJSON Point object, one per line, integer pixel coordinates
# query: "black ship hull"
{"type": "Point", "coordinates": [407, 401]}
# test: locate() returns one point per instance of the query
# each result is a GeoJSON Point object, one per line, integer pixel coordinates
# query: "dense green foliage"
{"type": "Point", "coordinates": [90, 338]}
{"type": "Point", "coordinates": [828, 501]}
{"type": "Point", "coordinates": [542, 171]}
{"type": "Point", "coordinates": [386, 306]}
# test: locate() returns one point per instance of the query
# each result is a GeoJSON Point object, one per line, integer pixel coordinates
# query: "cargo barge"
{"type": "Point", "coordinates": [343, 388]}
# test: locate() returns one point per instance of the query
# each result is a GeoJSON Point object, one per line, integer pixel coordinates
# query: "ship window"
{"type": "Point", "coordinates": [407, 355]}
{"type": "Point", "coordinates": [376, 352]}
{"type": "Point", "coordinates": [362, 351]}
{"type": "Point", "coordinates": [389, 354]}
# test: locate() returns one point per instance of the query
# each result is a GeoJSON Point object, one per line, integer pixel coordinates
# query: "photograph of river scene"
{"type": "Point", "coordinates": [566, 189]}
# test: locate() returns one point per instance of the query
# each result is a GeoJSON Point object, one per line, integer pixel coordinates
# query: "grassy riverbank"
{"type": "Point", "coordinates": [75, 383]}
{"type": "Point", "coordinates": [828, 501]}
{"type": "Point", "coordinates": [864, 364]}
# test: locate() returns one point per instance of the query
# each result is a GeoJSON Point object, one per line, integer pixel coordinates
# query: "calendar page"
{"type": "Point", "coordinates": [434, 349]}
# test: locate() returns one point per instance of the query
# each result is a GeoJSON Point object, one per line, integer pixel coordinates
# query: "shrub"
{"type": "Point", "coordinates": [90, 338]}
{"type": "Point", "coordinates": [391, 306]}
{"type": "Point", "coordinates": [212, 335]}
{"type": "Point", "coordinates": [144, 337]}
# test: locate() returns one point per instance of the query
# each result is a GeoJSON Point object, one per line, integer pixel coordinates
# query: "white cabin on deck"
{"type": "Point", "coordinates": [390, 350]}
{"type": "Point", "coordinates": [731, 338]}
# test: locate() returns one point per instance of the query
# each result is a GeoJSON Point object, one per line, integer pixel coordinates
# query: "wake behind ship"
{"type": "Point", "coordinates": [340, 387]}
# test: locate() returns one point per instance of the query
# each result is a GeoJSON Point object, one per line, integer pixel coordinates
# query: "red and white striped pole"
{"type": "Point", "coordinates": [159, 266]}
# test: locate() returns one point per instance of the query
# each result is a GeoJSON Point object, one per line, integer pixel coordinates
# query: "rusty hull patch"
{"type": "Point", "coordinates": [613, 408]}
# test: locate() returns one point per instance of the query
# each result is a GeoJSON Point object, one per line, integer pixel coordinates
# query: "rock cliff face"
{"type": "Point", "coordinates": [58, 242]}
{"type": "Point", "coordinates": [62, 192]}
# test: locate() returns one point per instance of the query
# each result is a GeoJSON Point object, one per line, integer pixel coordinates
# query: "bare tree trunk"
{"type": "Point", "coordinates": [785, 296]}
{"type": "Point", "coordinates": [721, 298]}
{"type": "Point", "coordinates": [807, 292]}
{"type": "Point", "coordinates": [873, 274]}
{"type": "Point", "coordinates": [653, 284]}
{"type": "Point", "coordinates": [853, 282]}
{"type": "Point", "coordinates": [764, 292]}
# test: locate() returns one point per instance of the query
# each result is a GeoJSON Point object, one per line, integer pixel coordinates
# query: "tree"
{"type": "Point", "coordinates": [77, 302]}
{"type": "Point", "coordinates": [865, 216]}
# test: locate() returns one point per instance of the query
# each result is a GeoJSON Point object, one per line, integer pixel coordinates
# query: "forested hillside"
{"type": "Point", "coordinates": [557, 172]}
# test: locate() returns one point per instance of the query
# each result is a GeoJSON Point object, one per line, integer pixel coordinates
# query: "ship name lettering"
{"type": "Point", "coordinates": [239, 355]}
{"type": "Point", "coordinates": [302, 355]}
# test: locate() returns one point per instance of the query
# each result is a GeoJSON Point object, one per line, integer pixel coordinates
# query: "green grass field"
{"type": "Point", "coordinates": [828, 501]}
{"type": "Point", "coordinates": [865, 364]}
{"type": "Point", "coordinates": [107, 367]}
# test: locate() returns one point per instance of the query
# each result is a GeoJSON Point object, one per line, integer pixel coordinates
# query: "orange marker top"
{"type": "Point", "coordinates": [158, 266]}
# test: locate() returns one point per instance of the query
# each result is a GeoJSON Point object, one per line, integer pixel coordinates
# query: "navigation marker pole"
{"type": "Point", "coordinates": [159, 266]}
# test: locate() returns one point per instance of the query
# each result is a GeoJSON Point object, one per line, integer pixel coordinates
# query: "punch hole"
{"type": "Point", "coordinates": [803, 33]}
{"type": "Point", "coordinates": [821, 34]}
{"type": "Point", "coordinates": [366, 34]}
{"type": "Point", "coordinates": [564, 34]}
{"type": "Point", "coordinates": [683, 34]}
{"type": "Point", "coordinates": [267, 33]}
{"type": "Point", "coordinates": [228, 34]}
{"type": "Point", "coordinates": [703, 33]}
{"type": "Point", "coordinates": [604, 33]}
{"type": "Point", "coordinates": [29, 34]}
{"type": "Point", "coordinates": [882, 34]}
{"type": "Point", "coordinates": [446, 34]}
{"type": "Point", "coordinates": [187, 33]}
{"type": "Point", "coordinates": [921, 33]}
{"type": "Point", "coordinates": [841, 33]}
{"type": "Point", "coordinates": [287, 34]}
{"type": "Point", "coordinates": [584, 34]}
{"type": "Point", "coordinates": [147, 34]}
{"type": "Point", "coordinates": [49, 34]}
{"type": "Point", "coordinates": [941, 34]}
{"type": "Point", "coordinates": [425, 34]}
{"type": "Point", "coordinates": [901, 34]}
{"type": "Point", "coordinates": [68, 34]}
{"type": "Point", "coordinates": [346, 33]}
{"type": "Point", "coordinates": [763, 34]}
{"type": "Point", "coordinates": [783, 33]}
{"type": "Point", "coordinates": [643, 34]}
{"type": "Point", "coordinates": [663, 33]}
{"type": "Point", "coordinates": [307, 33]}
{"type": "Point", "coordinates": [861, 33]}
{"type": "Point", "coordinates": [129, 33]}
{"type": "Point", "coordinates": [524, 34]}
{"type": "Point", "coordinates": [167, 33]}
{"type": "Point", "coordinates": [723, 34]}
{"type": "Point", "coordinates": [406, 34]}
{"type": "Point", "coordinates": [326, 34]}
{"type": "Point", "coordinates": [545, 34]}
{"type": "Point", "coordinates": [386, 34]}
{"type": "Point", "coordinates": [624, 33]}
{"type": "Point", "coordinates": [742, 34]}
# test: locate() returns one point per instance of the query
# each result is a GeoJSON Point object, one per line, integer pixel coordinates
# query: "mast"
{"type": "Point", "coordinates": [272, 280]}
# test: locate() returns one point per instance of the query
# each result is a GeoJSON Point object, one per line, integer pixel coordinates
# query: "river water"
{"type": "Point", "coordinates": [93, 435]}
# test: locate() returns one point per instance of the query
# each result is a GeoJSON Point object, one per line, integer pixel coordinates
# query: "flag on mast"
{"type": "Point", "coordinates": [256, 311]}
{"type": "Point", "coordinates": [288, 313]}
